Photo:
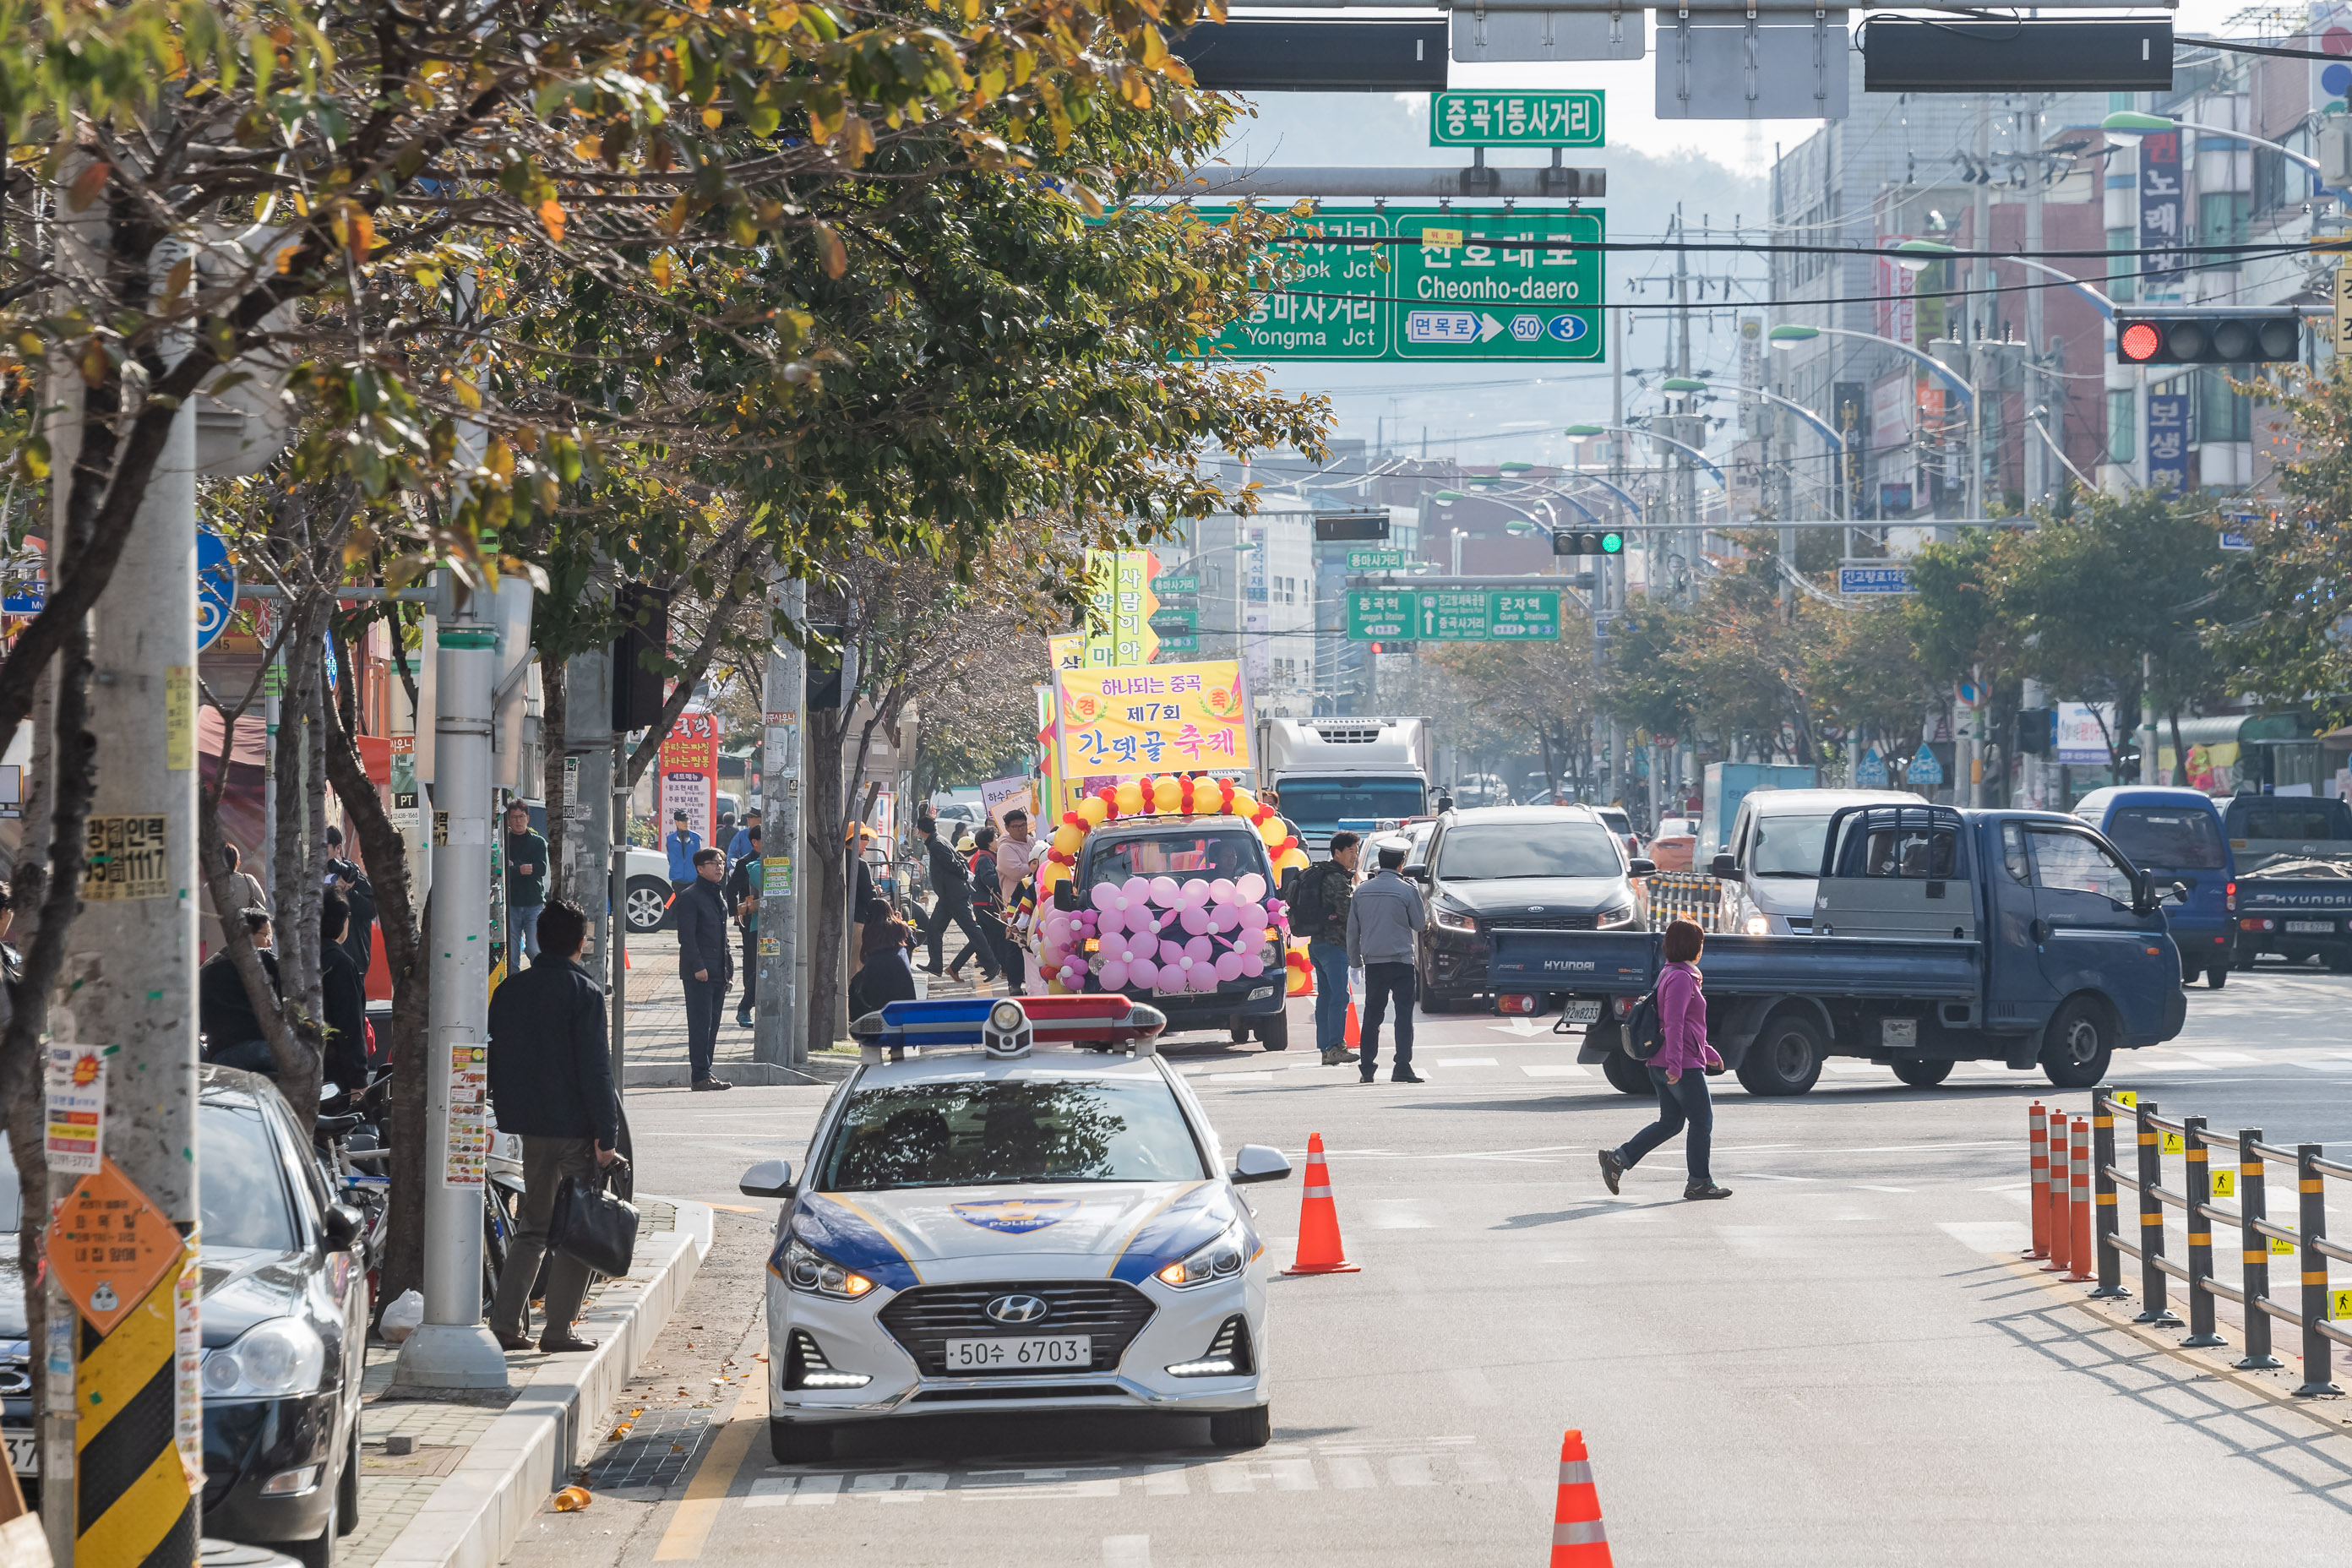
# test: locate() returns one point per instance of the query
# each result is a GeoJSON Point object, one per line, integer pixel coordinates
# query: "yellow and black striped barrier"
{"type": "Point", "coordinates": [1691, 896]}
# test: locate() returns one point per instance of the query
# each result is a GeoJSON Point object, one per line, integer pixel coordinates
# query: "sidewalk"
{"type": "Point", "coordinates": [481, 1463]}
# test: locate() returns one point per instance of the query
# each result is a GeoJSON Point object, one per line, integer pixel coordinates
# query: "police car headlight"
{"type": "Point", "coordinates": [271, 1359]}
{"type": "Point", "coordinates": [1220, 1259]}
{"type": "Point", "coordinates": [1622, 915]}
{"type": "Point", "coordinates": [806, 1268]}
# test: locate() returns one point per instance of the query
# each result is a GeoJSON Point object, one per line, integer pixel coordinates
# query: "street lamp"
{"type": "Point", "coordinates": [1791, 335]}
{"type": "Point", "coordinates": [2124, 127]}
{"type": "Point", "coordinates": [1696, 454]}
{"type": "Point", "coordinates": [1241, 547]}
{"type": "Point", "coordinates": [1918, 255]}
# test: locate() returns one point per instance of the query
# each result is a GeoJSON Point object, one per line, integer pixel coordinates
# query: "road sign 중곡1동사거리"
{"type": "Point", "coordinates": [1516, 119]}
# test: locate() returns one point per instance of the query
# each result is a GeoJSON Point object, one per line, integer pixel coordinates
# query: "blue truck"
{"type": "Point", "coordinates": [1939, 935]}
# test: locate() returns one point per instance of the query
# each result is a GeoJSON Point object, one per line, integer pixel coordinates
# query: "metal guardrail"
{"type": "Point", "coordinates": [1687, 895]}
{"type": "Point", "coordinates": [2077, 1223]}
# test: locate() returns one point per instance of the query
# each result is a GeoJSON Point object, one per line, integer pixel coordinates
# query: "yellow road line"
{"type": "Point", "coordinates": [689, 1527]}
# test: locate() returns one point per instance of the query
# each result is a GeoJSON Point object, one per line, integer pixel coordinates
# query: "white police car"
{"type": "Point", "coordinates": [983, 1227]}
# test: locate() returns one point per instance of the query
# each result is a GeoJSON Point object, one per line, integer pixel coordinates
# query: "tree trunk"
{"type": "Point", "coordinates": [2180, 751]}
{"type": "Point", "coordinates": [827, 822]}
{"type": "Point", "coordinates": [385, 857]}
{"type": "Point", "coordinates": [554, 698]}
{"type": "Point", "coordinates": [298, 1047]}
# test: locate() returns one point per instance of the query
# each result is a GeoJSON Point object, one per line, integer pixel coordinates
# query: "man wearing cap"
{"type": "Point", "coordinates": [683, 844]}
{"type": "Point", "coordinates": [1384, 921]}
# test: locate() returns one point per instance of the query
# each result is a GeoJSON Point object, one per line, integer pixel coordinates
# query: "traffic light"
{"type": "Point", "coordinates": [1369, 523]}
{"type": "Point", "coordinates": [1574, 543]}
{"type": "Point", "coordinates": [2218, 337]}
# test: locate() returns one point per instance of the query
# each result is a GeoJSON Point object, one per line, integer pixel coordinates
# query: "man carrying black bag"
{"type": "Point", "coordinates": [551, 1086]}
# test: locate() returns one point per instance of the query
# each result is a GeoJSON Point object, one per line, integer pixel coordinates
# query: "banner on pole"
{"type": "Point", "coordinates": [1161, 718]}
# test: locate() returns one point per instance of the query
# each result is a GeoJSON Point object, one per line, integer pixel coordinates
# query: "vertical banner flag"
{"type": "Point", "coordinates": [689, 773]}
{"type": "Point", "coordinates": [2161, 226]}
{"type": "Point", "coordinates": [1165, 718]}
{"type": "Point", "coordinates": [1118, 620]}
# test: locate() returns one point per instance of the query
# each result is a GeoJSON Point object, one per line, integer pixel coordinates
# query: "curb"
{"type": "Point", "coordinates": [477, 1514]}
{"type": "Point", "coordinates": [675, 1075]}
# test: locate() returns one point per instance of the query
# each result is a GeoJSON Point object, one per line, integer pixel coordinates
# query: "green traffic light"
{"type": "Point", "coordinates": [1611, 544]}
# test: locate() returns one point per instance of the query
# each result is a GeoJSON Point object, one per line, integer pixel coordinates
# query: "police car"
{"type": "Point", "coordinates": [987, 1227]}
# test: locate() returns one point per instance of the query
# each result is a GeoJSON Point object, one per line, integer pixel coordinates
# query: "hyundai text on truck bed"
{"type": "Point", "coordinates": [1939, 935]}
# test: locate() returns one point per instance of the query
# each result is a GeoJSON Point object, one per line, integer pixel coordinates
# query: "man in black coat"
{"type": "Point", "coordinates": [706, 962]}
{"type": "Point", "coordinates": [550, 1085]}
{"type": "Point", "coordinates": [951, 901]}
{"type": "Point", "coordinates": [345, 878]}
{"type": "Point", "coordinates": [345, 995]}
{"type": "Point", "coordinates": [232, 1029]}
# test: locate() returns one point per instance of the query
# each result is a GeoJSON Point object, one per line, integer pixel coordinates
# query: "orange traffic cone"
{"type": "Point", "coordinates": [1579, 1539]}
{"type": "Point", "coordinates": [1355, 1027]}
{"type": "Point", "coordinates": [1319, 1251]}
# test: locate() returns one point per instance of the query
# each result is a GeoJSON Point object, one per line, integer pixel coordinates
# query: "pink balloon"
{"type": "Point", "coordinates": [1172, 954]}
{"type": "Point", "coordinates": [1113, 975]}
{"type": "Point", "coordinates": [1198, 949]}
{"type": "Point", "coordinates": [1221, 892]}
{"type": "Point", "coordinates": [1250, 885]}
{"type": "Point", "coordinates": [1073, 977]}
{"type": "Point", "coordinates": [1225, 918]}
{"type": "Point", "coordinates": [1142, 970]}
{"type": "Point", "coordinates": [1195, 895]}
{"type": "Point", "coordinates": [1051, 956]}
{"type": "Point", "coordinates": [1135, 890]}
{"type": "Point", "coordinates": [1163, 891]}
{"type": "Point", "coordinates": [1104, 895]}
{"type": "Point", "coordinates": [1253, 960]}
{"type": "Point", "coordinates": [1229, 966]}
{"type": "Point", "coordinates": [1196, 920]}
{"type": "Point", "coordinates": [1253, 917]}
{"type": "Point", "coordinates": [1106, 921]}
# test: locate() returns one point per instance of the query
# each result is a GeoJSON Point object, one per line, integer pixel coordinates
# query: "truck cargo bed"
{"type": "Point", "coordinates": [1625, 963]}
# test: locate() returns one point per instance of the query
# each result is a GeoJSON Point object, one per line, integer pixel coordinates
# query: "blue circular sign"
{"type": "Point", "coordinates": [2335, 79]}
{"type": "Point", "coordinates": [216, 587]}
{"type": "Point", "coordinates": [1567, 329]}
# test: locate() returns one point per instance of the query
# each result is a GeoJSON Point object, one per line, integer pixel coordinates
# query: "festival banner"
{"type": "Point", "coordinates": [1132, 719]}
{"type": "Point", "coordinates": [689, 773]}
{"type": "Point", "coordinates": [1118, 619]}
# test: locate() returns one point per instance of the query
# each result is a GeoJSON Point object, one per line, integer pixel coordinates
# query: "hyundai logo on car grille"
{"type": "Point", "coordinates": [1016, 1308]}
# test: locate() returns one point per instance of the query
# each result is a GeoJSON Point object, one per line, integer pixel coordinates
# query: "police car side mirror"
{"type": "Point", "coordinates": [1256, 1162]}
{"type": "Point", "coordinates": [768, 1179]}
{"type": "Point", "coordinates": [1065, 897]}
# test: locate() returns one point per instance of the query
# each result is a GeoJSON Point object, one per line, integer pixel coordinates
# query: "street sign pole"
{"type": "Point", "coordinates": [777, 1036]}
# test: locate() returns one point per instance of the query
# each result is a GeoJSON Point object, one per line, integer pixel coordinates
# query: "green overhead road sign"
{"type": "Point", "coordinates": [1453, 294]}
{"type": "Point", "coordinates": [1516, 119]}
{"type": "Point", "coordinates": [1164, 585]}
{"type": "Point", "coordinates": [1181, 622]}
{"type": "Point", "coordinates": [1475, 614]}
{"type": "Point", "coordinates": [1378, 560]}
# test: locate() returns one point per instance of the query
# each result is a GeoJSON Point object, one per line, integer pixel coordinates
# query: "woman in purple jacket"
{"type": "Point", "coordinates": [1678, 1072]}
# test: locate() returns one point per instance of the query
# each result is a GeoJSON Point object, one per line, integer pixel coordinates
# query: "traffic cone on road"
{"type": "Point", "coordinates": [1578, 1537]}
{"type": "Point", "coordinates": [1355, 1026]}
{"type": "Point", "coordinates": [1319, 1251]}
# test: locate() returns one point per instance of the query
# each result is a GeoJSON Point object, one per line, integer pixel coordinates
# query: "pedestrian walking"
{"type": "Point", "coordinates": [224, 1012]}
{"type": "Point", "coordinates": [950, 902]}
{"type": "Point", "coordinates": [1384, 921]}
{"type": "Point", "coordinates": [987, 906]}
{"type": "Point", "coordinates": [1320, 913]}
{"type": "Point", "coordinates": [682, 845]}
{"type": "Point", "coordinates": [1016, 858]}
{"type": "Point", "coordinates": [344, 993]}
{"type": "Point", "coordinates": [706, 961]}
{"type": "Point", "coordinates": [552, 1087]}
{"type": "Point", "coordinates": [885, 963]}
{"type": "Point", "coordinates": [743, 895]}
{"type": "Point", "coordinates": [1678, 1072]}
{"type": "Point", "coordinates": [526, 855]}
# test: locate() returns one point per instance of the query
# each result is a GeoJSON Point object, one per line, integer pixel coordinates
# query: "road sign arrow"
{"type": "Point", "coordinates": [1488, 327]}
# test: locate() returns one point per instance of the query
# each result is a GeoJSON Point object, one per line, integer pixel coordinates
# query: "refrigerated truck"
{"type": "Point", "coordinates": [1364, 774]}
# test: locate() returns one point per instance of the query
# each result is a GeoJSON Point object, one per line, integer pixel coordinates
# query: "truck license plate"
{"type": "Point", "coordinates": [25, 1453]}
{"type": "Point", "coordinates": [2311, 928]}
{"type": "Point", "coordinates": [1582, 1011]}
{"type": "Point", "coordinates": [1044, 1352]}
{"type": "Point", "coordinates": [1900, 1033]}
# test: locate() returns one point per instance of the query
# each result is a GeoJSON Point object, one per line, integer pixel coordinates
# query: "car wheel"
{"type": "Point", "coordinates": [1922, 1072]}
{"type": "Point", "coordinates": [646, 902]}
{"type": "Point", "coordinates": [1625, 1074]}
{"type": "Point", "coordinates": [1251, 1429]}
{"type": "Point", "coordinates": [1436, 1002]}
{"type": "Point", "coordinates": [1238, 1028]}
{"type": "Point", "coordinates": [1273, 1031]}
{"type": "Point", "coordinates": [319, 1551]}
{"type": "Point", "coordinates": [347, 1487]}
{"type": "Point", "coordinates": [797, 1443]}
{"type": "Point", "coordinates": [2217, 977]}
{"type": "Point", "coordinates": [1786, 1057]}
{"type": "Point", "coordinates": [2077, 1046]}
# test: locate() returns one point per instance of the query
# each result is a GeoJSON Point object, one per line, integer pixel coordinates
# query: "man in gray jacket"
{"type": "Point", "coordinates": [1383, 919]}
{"type": "Point", "coordinates": [706, 962]}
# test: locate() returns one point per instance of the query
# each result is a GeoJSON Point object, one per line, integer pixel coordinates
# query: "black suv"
{"type": "Point", "coordinates": [1531, 868]}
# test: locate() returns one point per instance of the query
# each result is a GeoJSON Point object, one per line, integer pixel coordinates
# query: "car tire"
{"type": "Point", "coordinates": [646, 902]}
{"type": "Point", "coordinates": [1273, 1031]}
{"type": "Point", "coordinates": [347, 1486]}
{"type": "Point", "coordinates": [1251, 1428]}
{"type": "Point", "coordinates": [1922, 1072]}
{"type": "Point", "coordinates": [1238, 1029]}
{"type": "Point", "coordinates": [1436, 1002]}
{"type": "Point", "coordinates": [319, 1551]}
{"type": "Point", "coordinates": [2078, 1045]}
{"type": "Point", "coordinates": [798, 1443]}
{"type": "Point", "coordinates": [1626, 1075]}
{"type": "Point", "coordinates": [2217, 977]}
{"type": "Point", "coordinates": [1785, 1057]}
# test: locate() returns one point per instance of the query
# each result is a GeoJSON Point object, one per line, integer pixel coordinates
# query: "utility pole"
{"type": "Point", "coordinates": [777, 1036]}
{"type": "Point", "coordinates": [587, 835]}
{"type": "Point", "coordinates": [1981, 275]}
{"type": "Point", "coordinates": [1686, 477]}
{"type": "Point", "coordinates": [129, 973]}
{"type": "Point", "coordinates": [452, 1349]}
{"type": "Point", "coordinates": [2039, 478]}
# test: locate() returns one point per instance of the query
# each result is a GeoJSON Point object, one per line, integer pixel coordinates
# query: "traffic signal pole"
{"type": "Point", "coordinates": [777, 1034]}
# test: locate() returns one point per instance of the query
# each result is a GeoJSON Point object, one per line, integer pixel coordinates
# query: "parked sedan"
{"type": "Point", "coordinates": [285, 1327]}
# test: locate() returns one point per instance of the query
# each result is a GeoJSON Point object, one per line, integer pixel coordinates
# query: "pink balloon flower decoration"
{"type": "Point", "coordinates": [1250, 885]}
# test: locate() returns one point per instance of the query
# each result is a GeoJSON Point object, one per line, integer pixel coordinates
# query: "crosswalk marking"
{"type": "Point", "coordinates": [1127, 1552]}
{"type": "Point", "coordinates": [1566, 1069]}
{"type": "Point", "coordinates": [1357, 1466]}
{"type": "Point", "coordinates": [1350, 1472]}
{"type": "Point", "coordinates": [1462, 1062]}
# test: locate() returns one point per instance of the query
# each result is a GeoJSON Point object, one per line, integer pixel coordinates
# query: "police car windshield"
{"type": "Point", "coordinates": [980, 1134]}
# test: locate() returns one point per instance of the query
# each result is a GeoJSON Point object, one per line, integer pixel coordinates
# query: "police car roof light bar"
{"type": "Point", "coordinates": [1108, 1019]}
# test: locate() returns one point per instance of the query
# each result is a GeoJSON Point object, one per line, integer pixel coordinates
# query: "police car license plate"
{"type": "Point", "coordinates": [1044, 1352]}
{"type": "Point", "coordinates": [2311, 928]}
{"type": "Point", "coordinates": [1582, 1012]}
{"type": "Point", "coordinates": [24, 1453]}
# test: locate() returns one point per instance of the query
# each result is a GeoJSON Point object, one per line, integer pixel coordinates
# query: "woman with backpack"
{"type": "Point", "coordinates": [1678, 1069]}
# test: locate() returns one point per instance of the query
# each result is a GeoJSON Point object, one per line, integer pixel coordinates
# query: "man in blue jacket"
{"type": "Point", "coordinates": [683, 844]}
{"type": "Point", "coordinates": [706, 962]}
{"type": "Point", "coordinates": [551, 1086]}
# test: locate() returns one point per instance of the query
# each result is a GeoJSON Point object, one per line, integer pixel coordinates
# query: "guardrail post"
{"type": "Point", "coordinates": [2037, 1123]}
{"type": "Point", "coordinates": [2103, 1186]}
{"type": "Point", "coordinates": [2061, 1188]}
{"type": "Point", "coordinates": [2254, 1252]}
{"type": "Point", "coordinates": [2151, 1222]}
{"type": "Point", "coordinates": [2200, 1237]}
{"type": "Point", "coordinates": [2078, 1244]}
{"type": "Point", "coordinates": [2311, 1224]}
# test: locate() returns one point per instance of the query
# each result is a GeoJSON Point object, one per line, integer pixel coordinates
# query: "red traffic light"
{"type": "Point", "coordinates": [2139, 342]}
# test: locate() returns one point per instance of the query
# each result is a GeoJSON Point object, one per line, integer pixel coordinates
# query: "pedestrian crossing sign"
{"type": "Point", "coordinates": [2225, 1184]}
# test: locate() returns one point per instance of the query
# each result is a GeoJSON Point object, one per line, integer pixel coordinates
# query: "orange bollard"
{"type": "Point", "coordinates": [2078, 1253]}
{"type": "Point", "coordinates": [2061, 1195]}
{"type": "Point", "coordinates": [2037, 1122]}
{"type": "Point", "coordinates": [1319, 1251]}
{"type": "Point", "coordinates": [1579, 1539]}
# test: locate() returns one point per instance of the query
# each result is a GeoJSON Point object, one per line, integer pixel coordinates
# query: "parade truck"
{"type": "Point", "coordinates": [1174, 891]}
{"type": "Point", "coordinates": [1362, 774]}
{"type": "Point", "coordinates": [1939, 935]}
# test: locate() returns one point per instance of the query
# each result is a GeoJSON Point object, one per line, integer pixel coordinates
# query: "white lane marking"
{"type": "Point", "coordinates": [1767, 1176]}
{"type": "Point", "coordinates": [1853, 1069]}
{"type": "Point", "coordinates": [1570, 1070]}
{"type": "Point", "coordinates": [1867, 1187]}
{"type": "Point", "coordinates": [1127, 1552]}
{"type": "Point", "coordinates": [1165, 1481]}
{"type": "Point", "coordinates": [1231, 1476]}
{"type": "Point", "coordinates": [1350, 1472]}
{"type": "Point", "coordinates": [1470, 1385]}
{"type": "Point", "coordinates": [815, 1492]}
{"type": "Point", "coordinates": [2330, 1064]}
{"type": "Point", "coordinates": [1410, 1470]}
{"type": "Point", "coordinates": [2159, 1064]}
{"type": "Point", "coordinates": [1293, 1475]}
{"type": "Point", "coordinates": [773, 1491]}
{"type": "Point", "coordinates": [1989, 1234]}
{"type": "Point", "coordinates": [1463, 1062]}
{"type": "Point", "coordinates": [2230, 1058]}
{"type": "Point", "coordinates": [1398, 1214]}
{"type": "Point", "coordinates": [1266, 1077]}
{"type": "Point", "coordinates": [1421, 1046]}
{"type": "Point", "coordinates": [1525, 1028]}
